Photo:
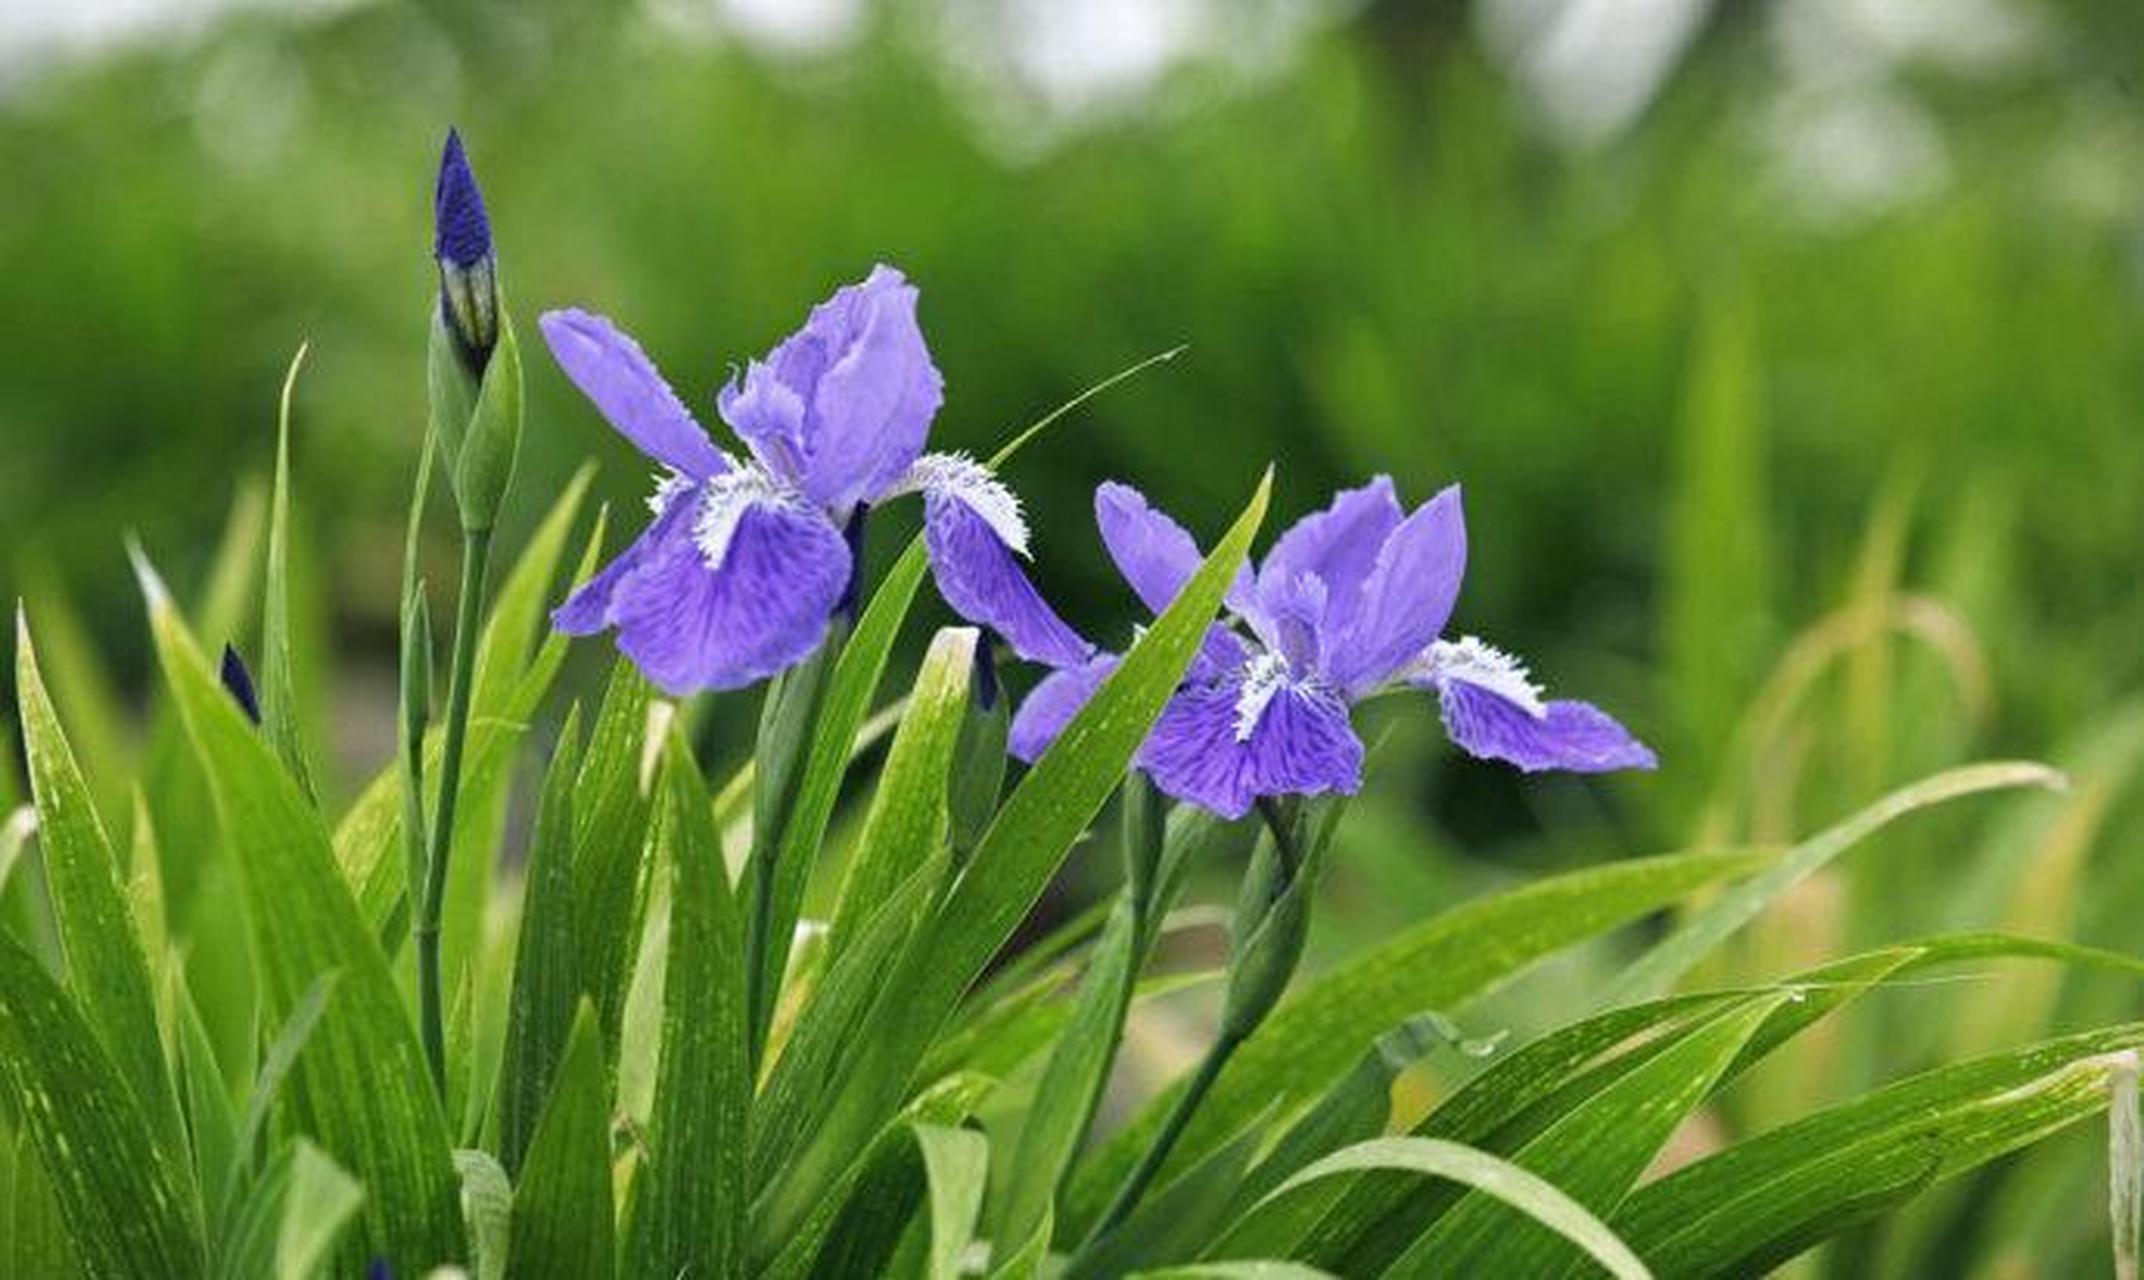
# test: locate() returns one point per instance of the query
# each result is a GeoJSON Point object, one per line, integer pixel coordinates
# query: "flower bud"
{"type": "Point", "coordinates": [238, 682]}
{"type": "Point", "coordinates": [474, 369]}
{"type": "Point", "coordinates": [468, 270]}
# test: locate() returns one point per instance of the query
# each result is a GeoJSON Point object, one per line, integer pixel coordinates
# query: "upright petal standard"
{"type": "Point", "coordinates": [1349, 603]}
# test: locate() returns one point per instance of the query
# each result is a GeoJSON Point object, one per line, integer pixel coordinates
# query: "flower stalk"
{"type": "Point", "coordinates": [1271, 923]}
{"type": "Point", "coordinates": [468, 615]}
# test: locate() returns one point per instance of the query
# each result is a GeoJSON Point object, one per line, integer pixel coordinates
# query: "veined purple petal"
{"type": "Point", "coordinates": [613, 372]}
{"type": "Point", "coordinates": [587, 610]}
{"type": "Point", "coordinates": [768, 415]}
{"type": "Point", "coordinates": [1050, 706]}
{"type": "Point", "coordinates": [873, 406]}
{"type": "Point", "coordinates": [689, 627]}
{"type": "Point", "coordinates": [1153, 552]}
{"type": "Point", "coordinates": [1338, 545]}
{"type": "Point", "coordinates": [1576, 736]}
{"type": "Point", "coordinates": [979, 577]}
{"type": "Point", "coordinates": [1214, 750]}
{"type": "Point", "coordinates": [1406, 598]}
{"type": "Point", "coordinates": [1220, 653]}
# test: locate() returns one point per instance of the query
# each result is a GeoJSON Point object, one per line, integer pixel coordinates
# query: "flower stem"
{"type": "Point", "coordinates": [1187, 1104]}
{"type": "Point", "coordinates": [476, 549]}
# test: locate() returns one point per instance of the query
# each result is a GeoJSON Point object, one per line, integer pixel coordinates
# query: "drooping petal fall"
{"type": "Point", "coordinates": [762, 609]}
{"type": "Point", "coordinates": [615, 375]}
{"type": "Point", "coordinates": [1574, 736]}
{"type": "Point", "coordinates": [982, 581]}
{"type": "Point", "coordinates": [1206, 750]}
{"type": "Point", "coordinates": [1052, 703]}
{"type": "Point", "coordinates": [587, 610]}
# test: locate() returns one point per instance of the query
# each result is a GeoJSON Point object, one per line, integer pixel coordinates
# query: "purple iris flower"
{"type": "Point", "coordinates": [1349, 603]}
{"type": "Point", "coordinates": [747, 560]}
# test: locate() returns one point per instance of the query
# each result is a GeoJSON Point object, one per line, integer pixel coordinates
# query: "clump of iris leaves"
{"type": "Point", "coordinates": [635, 1059]}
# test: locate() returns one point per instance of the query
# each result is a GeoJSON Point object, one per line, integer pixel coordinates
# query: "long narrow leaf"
{"type": "Point", "coordinates": [546, 984]}
{"type": "Point", "coordinates": [1442, 963]}
{"type": "Point", "coordinates": [106, 966]}
{"type": "Point", "coordinates": [1024, 846]}
{"type": "Point", "coordinates": [128, 1209]}
{"type": "Point", "coordinates": [563, 1220]}
{"type": "Point", "coordinates": [361, 1088]}
{"type": "Point", "coordinates": [689, 1196]}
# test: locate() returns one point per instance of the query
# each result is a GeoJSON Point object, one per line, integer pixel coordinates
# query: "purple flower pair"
{"type": "Point", "coordinates": [1349, 603]}
{"type": "Point", "coordinates": [747, 561]}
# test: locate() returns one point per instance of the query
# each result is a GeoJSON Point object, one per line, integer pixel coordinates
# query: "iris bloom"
{"type": "Point", "coordinates": [1349, 603]}
{"type": "Point", "coordinates": [747, 560]}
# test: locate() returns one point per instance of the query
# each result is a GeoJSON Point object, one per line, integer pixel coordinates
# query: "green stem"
{"type": "Point", "coordinates": [1279, 818]}
{"type": "Point", "coordinates": [476, 548]}
{"type": "Point", "coordinates": [1187, 1105]}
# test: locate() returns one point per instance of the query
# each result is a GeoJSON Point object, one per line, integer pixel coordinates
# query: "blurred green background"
{"type": "Point", "coordinates": [1790, 356]}
{"type": "Point", "coordinates": [1728, 316]}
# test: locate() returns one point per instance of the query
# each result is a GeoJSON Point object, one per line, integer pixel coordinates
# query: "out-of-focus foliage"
{"type": "Point", "coordinates": [1800, 422]}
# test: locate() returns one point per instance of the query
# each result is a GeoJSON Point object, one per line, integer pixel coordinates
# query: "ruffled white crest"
{"type": "Point", "coordinates": [668, 485]}
{"type": "Point", "coordinates": [729, 496]}
{"type": "Point", "coordinates": [1263, 677]}
{"type": "Point", "coordinates": [1483, 665]}
{"type": "Point", "coordinates": [962, 478]}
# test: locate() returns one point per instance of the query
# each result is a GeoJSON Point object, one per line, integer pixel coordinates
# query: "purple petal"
{"type": "Point", "coordinates": [1154, 553]}
{"type": "Point", "coordinates": [768, 415]}
{"type": "Point", "coordinates": [1220, 653]}
{"type": "Point", "coordinates": [874, 405]}
{"type": "Point", "coordinates": [1406, 598]}
{"type": "Point", "coordinates": [983, 583]}
{"type": "Point", "coordinates": [1338, 545]}
{"type": "Point", "coordinates": [688, 627]}
{"type": "Point", "coordinates": [1050, 706]}
{"type": "Point", "coordinates": [1302, 744]}
{"type": "Point", "coordinates": [587, 610]}
{"type": "Point", "coordinates": [1577, 736]}
{"type": "Point", "coordinates": [612, 371]}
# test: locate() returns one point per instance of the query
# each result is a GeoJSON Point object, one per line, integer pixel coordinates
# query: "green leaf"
{"type": "Point", "coordinates": [361, 1088]}
{"type": "Point", "coordinates": [1313, 1037]}
{"type": "Point", "coordinates": [1027, 842]}
{"type": "Point", "coordinates": [279, 697]}
{"type": "Point", "coordinates": [36, 1242]}
{"type": "Point", "coordinates": [1751, 1207]}
{"type": "Point", "coordinates": [106, 967]}
{"type": "Point", "coordinates": [1354, 1110]}
{"type": "Point", "coordinates": [1705, 928]}
{"type": "Point", "coordinates": [944, 1103]}
{"type": "Point", "coordinates": [1177, 1220]}
{"type": "Point", "coordinates": [610, 832]}
{"type": "Point", "coordinates": [128, 1209]}
{"type": "Point", "coordinates": [282, 1056]}
{"type": "Point", "coordinates": [1071, 1085]}
{"type": "Point", "coordinates": [1594, 1154]}
{"type": "Point", "coordinates": [368, 844]}
{"type": "Point", "coordinates": [1490, 1175]}
{"type": "Point", "coordinates": [907, 821]}
{"type": "Point", "coordinates": [957, 1163]}
{"type": "Point", "coordinates": [293, 1220]}
{"type": "Point", "coordinates": [563, 1218]}
{"type": "Point", "coordinates": [546, 986]}
{"type": "Point", "coordinates": [688, 1204]}
{"type": "Point", "coordinates": [488, 1211]}
{"type": "Point", "coordinates": [210, 1118]}
{"type": "Point", "coordinates": [1248, 1269]}
{"type": "Point", "coordinates": [847, 699]}
{"type": "Point", "coordinates": [16, 828]}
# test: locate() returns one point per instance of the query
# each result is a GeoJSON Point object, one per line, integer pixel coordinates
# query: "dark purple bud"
{"type": "Point", "coordinates": [238, 682]}
{"type": "Point", "coordinates": [462, 232]}
{"type": "Point", "coordinates": [468, 269]}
